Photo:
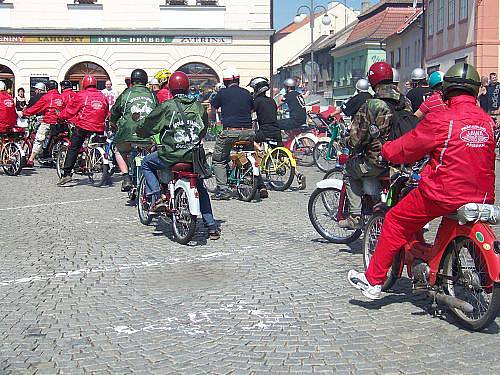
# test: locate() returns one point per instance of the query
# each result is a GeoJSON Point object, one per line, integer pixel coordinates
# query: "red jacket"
{"type": "Point", "coordinates": [164, 94]}
{"type": "Point", "coordinates": [8, 115]}
{"type": "Point", "coordinates": [67, 95]}
{"type": "Point", "coordinates": [461, 143]}
{"type": "Point", "coordinates": [51, 105]}
{"type": "Point", "coordinates": [88, 110]}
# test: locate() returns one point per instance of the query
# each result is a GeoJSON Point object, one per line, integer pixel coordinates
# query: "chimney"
{"type": "Point", "coordinates": [365, 4]}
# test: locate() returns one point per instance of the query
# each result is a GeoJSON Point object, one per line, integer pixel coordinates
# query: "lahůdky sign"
{"type": "Point", "coordinates": [19, 39]}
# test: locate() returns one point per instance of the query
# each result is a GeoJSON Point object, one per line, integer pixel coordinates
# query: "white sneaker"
{"type": "Point", "coordinates": [358, 280]}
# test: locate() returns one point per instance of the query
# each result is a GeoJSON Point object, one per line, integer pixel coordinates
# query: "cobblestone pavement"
{"type": "Point", "coordinates": [85, 288]}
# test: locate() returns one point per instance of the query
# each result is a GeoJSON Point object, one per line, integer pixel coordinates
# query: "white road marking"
{"type": "Point", "coordinates": [55, 204]}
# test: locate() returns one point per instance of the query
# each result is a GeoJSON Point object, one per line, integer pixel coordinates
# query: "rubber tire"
{"type": "Point", "coordinates": [394, 272]}
{"type": "Point", "coordinates": [106, 175]}
{"type": "Point", "coordinates": [90, 152]}
{"type": "Point", "coordinates": [17, 151]}
{"type": "Point", "coordinates": [335, 173]}
{"type": "Point", "coordinates": [291, 170]}
{"type": "Point", "coordinates": [333, 239]}
{"type": "Point", "coordinates": [318, 159]}
{"type": "Point", "coordinates": [192, 226]}
{"type": "Point", "coordinates": [61, 156]}
{"type": "Point", "coordinates": [144, 217]}
{"type": "Point", "coordinates": [253, 191]}
{"type": "Point", "coordinates": [493, 308]}
{"type": "Point", "coordinates": [210, 183]}
{"type": "Point", "coordinates": [300, 161]}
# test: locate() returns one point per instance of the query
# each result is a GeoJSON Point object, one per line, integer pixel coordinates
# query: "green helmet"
{"type": "Point", "coordinates": [462, 76]}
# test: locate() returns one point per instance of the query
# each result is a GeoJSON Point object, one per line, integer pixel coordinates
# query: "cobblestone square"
{"type": "Point", "coordinates": [86, 289]}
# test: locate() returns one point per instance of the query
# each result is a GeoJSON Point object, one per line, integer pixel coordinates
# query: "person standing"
{"type": "Point", "coordinates": [88, 110]}
{"type": "Point", "coordinates": [20, 100]}
{"type": "Point", "coordinates": [493, 92]}
{"type": "Point", "coordinates": [483, 94]}
{"type": "Point", "coordinates": [51, 104]}
{"type": "Point", "coordinates": [109, 93]}
{"type": "Point", "coordinates": [8, 115]}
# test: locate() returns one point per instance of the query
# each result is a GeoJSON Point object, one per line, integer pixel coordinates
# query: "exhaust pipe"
{"type": "Point", "coordinates": [451, 301]}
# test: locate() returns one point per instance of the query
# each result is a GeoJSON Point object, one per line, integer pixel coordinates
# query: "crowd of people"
{"type": "Point", "coordinates": [448, 116]}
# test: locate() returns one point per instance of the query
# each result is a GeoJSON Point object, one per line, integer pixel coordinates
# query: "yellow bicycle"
{"type": "Point", "coordinates": [278, 166]}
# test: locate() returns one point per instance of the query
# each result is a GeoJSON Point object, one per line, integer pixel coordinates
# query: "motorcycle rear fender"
{"type": "Point", "coordinates": [192, 194]}
{"type": "Point", "coordinates": [483, 237]}
{"type": "Point", "coordinates": [330, 183]}
{"type": "Point", "coordinates": [310, 136]}
{"type": "Point", "coordinates": [289, 154]}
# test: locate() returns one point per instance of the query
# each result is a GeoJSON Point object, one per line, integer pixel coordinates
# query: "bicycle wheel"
{"type": "Point", "coordinates": [323, 213]}
{"type": "Point", "coordinates": [325, 157]}
{"type": "Point", "coordinates": [12, 159]}
{"type": "Point", "coordinates": [95, 162]}
{"type": "Point", "coordinates": [466, 277]}
{"type": "Point", "coordinates": [278, 170]}
{"type": "Point", "coordinates": [27, 146]}
{"type": "Point", "coordinates": [335, 174]}
{"type": "Point", "coordinates": [143, 204]}
{"type": "Point", "coordinates": [61, 157]}
{"type": "Point", "coordinates": [183, 223]}
{"type": "Point", "coordinates": [247, 183]}
{"type": "Point", "coordinates": [370, 240]}
{"type": "Point", "coordinates": [210, 183]}
{"type": "Point", "coordinates": [303, 151]}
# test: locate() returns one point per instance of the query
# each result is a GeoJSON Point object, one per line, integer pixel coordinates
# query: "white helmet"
{"type": "Point", "coordinates": [395, 76]}
{"type": "Point", "coordinates": [418, 74]}
{"type": "Point", "coordinates": [362, 85]}
{"type": "Point", "coordinates": [290, 82]}
{"type": "Point", "coordinates": [154, 81]}
{"type": "Point", "coordinates": [219, 87]}
{"type": "Point", "coordinates": [40, 86]}
{"type": "Point", "coordinates": [230, 74]}
{"type": "Point", "coordinates": [2, 86]}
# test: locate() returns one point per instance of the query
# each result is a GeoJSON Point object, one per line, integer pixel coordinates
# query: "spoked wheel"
{"type": "Point", "coordinates": [211, 183]}
{"type": "Point", "coordinates": [323, 209]}
{"type": "Point", "coordinates": [183, 223]}
{"type": "Point", "coordinates": [12, 159]}
{"type": "Point", "coordinates": [278, 170]}
{"type": "Point", "coordinates": [95, 163]}
{"type": "Point", "coordinates": [335, 173]}
{"type": "Point", "coordinates": [370, 240]}
{"type": "Point", "coordinates": [61, 157]}
{"type": "Point", "coordinates": [143, 204]}
{"type": "Point", "coordinates": [27, 146]}
{"type": "Point", "coordinates": [325, 155]}
{"type": "Point", "coordinates": [466, 277]}
{"type": "Point", "coordinates": [247, 183]}
{"type": "Point", "coordinates": [303, 151]}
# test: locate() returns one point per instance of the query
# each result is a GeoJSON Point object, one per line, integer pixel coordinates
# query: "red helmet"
{"type": "Point", "coordinates": [88, 81]}
{"type": "Point", "coordinates": [178, 83]}
{"type": "Point", "coordinates": [380, 72]}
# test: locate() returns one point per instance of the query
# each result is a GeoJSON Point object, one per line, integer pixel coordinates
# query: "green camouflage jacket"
{"type": "Point", "coordinates": [176, 136]}
{"type": "Point", "coordinates": [131, 107]}
{"type": "Point", "coordinates": [374, 111]}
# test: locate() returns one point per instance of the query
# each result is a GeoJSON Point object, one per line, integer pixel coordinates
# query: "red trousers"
{"type": "Point", "coordinates": [401, 223]}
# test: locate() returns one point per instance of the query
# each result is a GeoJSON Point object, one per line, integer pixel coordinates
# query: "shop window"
{"type": "Point", "coordinates": [463, 10]}
{"type": "Point", "coordinates": [7, 76]}
{"type": "Point", "coordinates": [78, 71]}
{"type": "Point", "coordinates": [201, 76]}
{"type": "Point", "coordinates": [451, 12]}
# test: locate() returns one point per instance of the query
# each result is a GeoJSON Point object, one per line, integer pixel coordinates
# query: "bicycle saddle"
{"type": "Point", "coordinates": [242, 143]}
{"type": "Point", "coordinates": [182, 167]}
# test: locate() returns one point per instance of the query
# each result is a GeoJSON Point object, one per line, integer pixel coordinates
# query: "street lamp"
{"type": "Point", "coordinates": [326, 20]}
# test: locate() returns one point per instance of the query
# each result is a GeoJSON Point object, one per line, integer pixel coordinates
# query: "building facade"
{"type": "Point", "coordinates": [110, 38]}
{"type": "Point", "coordinates": [463, 30]}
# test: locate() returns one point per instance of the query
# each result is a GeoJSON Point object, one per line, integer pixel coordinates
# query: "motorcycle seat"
{"type": "Point", "coordinates": [242, 143]}
{"type": "Point", "coordinates": [182, 167]}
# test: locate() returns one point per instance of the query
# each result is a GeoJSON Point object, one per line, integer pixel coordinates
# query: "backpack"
{"type": "Point", "coordinates": [402, 121]}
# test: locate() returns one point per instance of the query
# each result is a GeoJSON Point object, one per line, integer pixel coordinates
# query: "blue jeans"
{"type": "Point", "coordinates": [151, 164]}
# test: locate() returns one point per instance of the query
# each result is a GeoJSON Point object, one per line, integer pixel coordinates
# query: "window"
{"type": "Point", "coordinates": [430, 18]}
{"type": "Point", "coordinates": [392, 58]}
{"type": "Point", "coordinates": [451, 12]}
{"type": "Point", "coordinates": [176, 2]}
{"type": "Point", "coordinates": [398, 58]}
{"type": "Point", "coordinates": [212, 3]}
{"type": "Point", "coordinates": [440, 15]}
{"type": "Point", "coordinates": [464, 9]}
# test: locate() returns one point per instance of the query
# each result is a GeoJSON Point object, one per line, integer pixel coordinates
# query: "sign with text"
{"type": "Point", "coordinates": [131, 39]}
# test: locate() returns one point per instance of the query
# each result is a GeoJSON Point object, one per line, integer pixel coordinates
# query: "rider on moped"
{"type": "Point", "coordinates": [362, 172]}
{"type": "Point", "coordinates": [164, 93]}
{"type": "Point", "coordinates": [461, 144]}
{"type": "Point", "coordinates": [8, 115]}
{"type": "Point", "coordinates": [182, 123]}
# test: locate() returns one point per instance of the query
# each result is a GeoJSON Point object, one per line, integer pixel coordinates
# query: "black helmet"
{"type": "Point", "coordinates": [51, 85]}
{"type": "Point", "coordinates": [139, 76]}
{"type": "Point", "coordinates": [259, 85]}
{"type": "Point", "coordinates": [463, 77]}
{"type": "Point", "coordinates": [66, 84]}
